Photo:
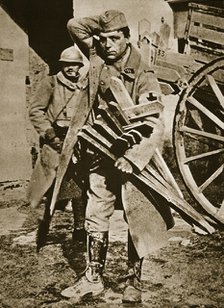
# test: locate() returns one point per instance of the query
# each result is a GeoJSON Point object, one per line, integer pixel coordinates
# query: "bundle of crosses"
{"type": "Point", "coordinates": [119, 127]}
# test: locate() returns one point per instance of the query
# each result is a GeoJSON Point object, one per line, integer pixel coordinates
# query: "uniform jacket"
{"type": "Point", "coordinates": [47, 104]}
{"type": "Point", "coordinates": [53, 102]}
{"type": "Point", "coordinates": [138, 78]}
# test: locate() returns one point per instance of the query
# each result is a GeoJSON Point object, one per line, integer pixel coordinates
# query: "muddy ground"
{"type": "Point", "coordinates": [188, 272]}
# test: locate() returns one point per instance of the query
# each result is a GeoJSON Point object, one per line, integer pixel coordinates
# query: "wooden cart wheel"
{"type": "Point", "coordinates": [198, 137]}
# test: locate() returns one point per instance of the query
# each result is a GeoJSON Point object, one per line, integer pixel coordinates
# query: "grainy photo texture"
{"type": "Point", "coordinates": [111, 156]}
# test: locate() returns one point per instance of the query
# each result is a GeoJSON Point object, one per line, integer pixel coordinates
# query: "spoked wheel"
{"type": "Point", "coordinates": [198, 136]}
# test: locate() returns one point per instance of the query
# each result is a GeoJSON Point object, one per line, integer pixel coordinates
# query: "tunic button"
{"type": "Point", "coordinates": [102, 82]}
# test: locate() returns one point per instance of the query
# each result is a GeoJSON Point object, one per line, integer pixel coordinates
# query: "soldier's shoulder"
{"type": "Point", "coordinates": [84, 82]}
{"type": "Point", "coordinates": [138, 60]}
{"type": "Point", "coordinates": [146, 68]}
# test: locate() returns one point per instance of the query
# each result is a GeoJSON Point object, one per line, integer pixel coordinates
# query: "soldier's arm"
{"type": "Point", "coordinates": [39, 105]}
{"type": "Point", "coordinates": [82, 32]}
{"type": "Point", "coordinates": [140, 154]}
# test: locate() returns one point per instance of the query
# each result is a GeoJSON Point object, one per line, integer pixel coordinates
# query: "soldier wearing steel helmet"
{"type": "Point", "coordinates": [48, 107]}
{"type": "Point", "coordinates": [50, 114]}
{"type": "Point", "coordinates": [106, 37]}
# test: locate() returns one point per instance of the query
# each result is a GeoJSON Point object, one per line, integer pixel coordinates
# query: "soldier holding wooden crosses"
{"type": "Point", "coordinates": [105, 40]}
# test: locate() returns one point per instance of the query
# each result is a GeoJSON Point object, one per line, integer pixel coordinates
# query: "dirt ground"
{"type": "Point", "coordinates": [188, 272]}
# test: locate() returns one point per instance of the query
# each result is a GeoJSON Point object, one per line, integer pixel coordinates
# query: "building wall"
{"type": "Point", "coordinates": [15, 159]}
{"type": "Point", "coordinates": [33, 34]}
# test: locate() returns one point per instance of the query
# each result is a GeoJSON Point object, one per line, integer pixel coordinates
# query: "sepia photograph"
{"type": "Point", "coordinates": [111, 157]}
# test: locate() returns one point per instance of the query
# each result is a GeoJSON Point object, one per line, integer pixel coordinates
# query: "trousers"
{"type": "Point", "coordinates": [103, 196]}
{"type": "Point", "coordinates": [147, 213]}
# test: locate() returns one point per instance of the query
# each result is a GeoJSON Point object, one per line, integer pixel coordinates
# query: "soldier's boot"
{"type": "Point", "coordinates": [91, 282]}
{"type": "Point", "coordinates": [132, 292]}
{"type": "Point", "coordinates": [78, 208]}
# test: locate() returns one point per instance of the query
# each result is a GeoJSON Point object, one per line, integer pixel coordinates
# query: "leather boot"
{"type": "Point", "coordinates": [132, 292]}
{"type": "Point", "coordinates": [91, 282]}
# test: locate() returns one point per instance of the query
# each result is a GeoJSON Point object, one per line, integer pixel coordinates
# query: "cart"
{"type": "Point", "coordinates": [198, 75]}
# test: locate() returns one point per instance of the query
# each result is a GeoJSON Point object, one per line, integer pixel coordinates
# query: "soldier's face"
{"type": "Point", "coordinates": [113, 44]}
{"type": "Point", "coordinates": [71, 69]}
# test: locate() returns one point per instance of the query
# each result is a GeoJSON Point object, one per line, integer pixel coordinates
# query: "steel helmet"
{"type": "Point", "coordinates": [71, 54]}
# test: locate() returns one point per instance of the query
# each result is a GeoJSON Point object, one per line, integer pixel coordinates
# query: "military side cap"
{"type": "Point", "coordinates": [112, 20]}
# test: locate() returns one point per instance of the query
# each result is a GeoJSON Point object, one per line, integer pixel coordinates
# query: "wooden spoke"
{"type": "Point", "coordinates": [216, 89]}
{"type": "Point", "coordinates": [207, 112]}
{"type": "Point", "coordinates": [204, 141]}
{"type": "Point", "coordinates": [211, 179]}
{"type": "Point", "coordinates": [203, 155]}
{"type": "Point", "coordinates": [198, 135]}
{"type": "Point", "coordinates": [221, 210]}
{"type": "Point", "coordinates": [201, 133]}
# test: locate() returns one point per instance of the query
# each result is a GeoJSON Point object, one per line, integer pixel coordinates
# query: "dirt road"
{"type": "Point", "coordinates": [188, 272]}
